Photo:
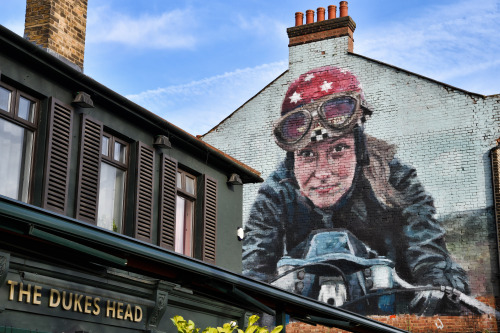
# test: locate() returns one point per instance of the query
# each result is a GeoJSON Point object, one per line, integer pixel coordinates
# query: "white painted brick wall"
{"type": "Point", "coordinates": [445, 133]}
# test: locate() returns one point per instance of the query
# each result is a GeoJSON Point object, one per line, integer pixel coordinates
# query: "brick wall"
{"type": "Point", "coordinates": [58, 26]}
{"type": "Point", "coordinates": [444, 133]}
{"type": "Point", "coordinates": [417, 324]}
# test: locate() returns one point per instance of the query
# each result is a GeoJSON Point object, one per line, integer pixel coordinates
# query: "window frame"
{"type": "Point", "coordinates": [124, 166]}
{"type": "Point", "coordinates": [111, 148]}
{"type": "Point", "coordinates": [191, 197]}
{"type": "Point", "coordinates": [182, 189]}
{"type": "Point", "coordinates": [205, 228]}
{"type": "Point", "coordinates": [12, 116]}
{"type": "Point", "coordinates": [15, 97]}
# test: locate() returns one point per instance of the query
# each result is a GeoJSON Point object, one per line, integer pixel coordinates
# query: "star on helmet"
{"type": "Point", "coordinates": [295, 98]}
{"type": "Point", "coordinates": [326, 86]}
{"type": "Point", "coordinates": [309, 77]}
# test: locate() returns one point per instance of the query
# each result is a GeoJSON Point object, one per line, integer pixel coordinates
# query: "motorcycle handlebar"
{"type": "Point", "coordinates": [452, 293]}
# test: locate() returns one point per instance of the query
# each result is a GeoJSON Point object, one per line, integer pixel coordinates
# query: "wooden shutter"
{"type": "Point", "coordinates": [166, 236]}
{"type": "Point", "coordinates": [58, 154]}
{"type": "Point", "coordinates": [144, 199]}
{"type": "Point", "coordinates": [209, 219]}
{"type": "Point", "coordinates": [88, 175]}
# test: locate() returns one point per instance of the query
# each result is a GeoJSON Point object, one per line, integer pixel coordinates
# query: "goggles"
{"type": "Point", "coordinates": [328, 117]}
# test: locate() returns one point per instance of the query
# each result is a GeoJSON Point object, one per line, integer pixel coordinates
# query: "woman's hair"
{"type": "Point", "coordinates": [377, 172]}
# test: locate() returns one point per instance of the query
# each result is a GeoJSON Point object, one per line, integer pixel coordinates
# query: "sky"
{"type": "Point", "coordinates": [193, 62]}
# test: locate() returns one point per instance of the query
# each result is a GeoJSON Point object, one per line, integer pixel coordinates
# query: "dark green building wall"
{"type": "Point", "coordinates": [28, 77]}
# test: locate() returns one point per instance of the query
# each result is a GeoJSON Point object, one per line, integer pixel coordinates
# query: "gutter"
{"type": "Point", "coordinates": [495, 170]}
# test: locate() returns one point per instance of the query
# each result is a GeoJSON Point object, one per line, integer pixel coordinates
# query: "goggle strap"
{"type": "Point", "coordinates": [367, 108]}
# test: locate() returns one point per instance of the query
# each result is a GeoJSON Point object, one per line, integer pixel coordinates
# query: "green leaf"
{"type": "Point", "coordinates": [251, 329]}
{"type": "Point", "coordinates": [177, 319]}
{"type": "Point", "coordinates": [227, 327]}
{"type": "Point", "coordinates": [210, 330]}
{"type": "Point", "coordinates": [252, 320]}
{"type": "Point", "coordinates": [180, 323]}
{"type": "Point", "coordinates": [191, 327]}
{"type": "Point", "coordinates": [277, 329]}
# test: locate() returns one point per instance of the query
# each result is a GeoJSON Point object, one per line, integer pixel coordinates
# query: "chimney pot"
{"type": "Point", "coordinates": [333, 28]}
{"type": "Point", "coordinates": [320, 14]}
{"type": "Point", "coordinates": [343, 8]}
{"type": "Point", "coordinates": [332, 12]}
{"type": "Point", "coordinates": [299, 18]}
{"type": "Point", "coordinates": [309, 16]}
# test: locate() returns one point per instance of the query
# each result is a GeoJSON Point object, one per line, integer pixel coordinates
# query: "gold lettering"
{"type": "Point", "coordinates": [97, 309]}
{"type": "Point", "coordinates": [11, 292]}
{"type": "Point", "coordinates": [88, 303]}
{"type": "Point", "coordinates": [119, 312]}
{"type": "Point", "coordinates": [67, 306]}
{"type": "Point", "coordinates": [37, 294]}
{"type": "Point", "coordinates": [128, 313]}
{"type": "Point", "coordinates": [110, 309]}
{"type": "Point", "coordinates": [77, 304]}
{"type": "Point", "coordinates": [54, 303]}
{"type": "Point", "coordinates": [23, 292]}
{"type": "Point", "coordinates": [138, 314]}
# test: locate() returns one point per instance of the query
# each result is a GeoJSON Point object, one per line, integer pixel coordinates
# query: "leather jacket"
{"type": "Point", "coordinates": [281, 219]}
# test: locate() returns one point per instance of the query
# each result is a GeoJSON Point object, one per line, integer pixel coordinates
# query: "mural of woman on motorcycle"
{"type": "Point", "coordinates": [341, 219]}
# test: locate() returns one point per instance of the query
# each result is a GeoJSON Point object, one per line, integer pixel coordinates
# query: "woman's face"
{"type": "Point", "coordinates": [325, 170]}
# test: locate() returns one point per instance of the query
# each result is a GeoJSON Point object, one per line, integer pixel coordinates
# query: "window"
{"type": "Point", "coordinates": [102, 179]}
{"type": "Point", "coordinates": [187, 219]}
{"type": "Point", "coordinates": [184, 212]}
{"type": "Point", "coordinates": [18, 115]}
{"type": "Point", "coordinates": [188, 212]}
{"type": "Point", "coordinates": [112, 183]}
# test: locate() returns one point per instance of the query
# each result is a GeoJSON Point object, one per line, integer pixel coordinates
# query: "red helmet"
{"type": "Point", "coordinates": [324, 102]}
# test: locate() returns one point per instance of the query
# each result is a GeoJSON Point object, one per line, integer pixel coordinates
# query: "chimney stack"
{"type": "Point", "coordinates": [59, 27]}
{"type": "Point", "coordinates": [334, 27]}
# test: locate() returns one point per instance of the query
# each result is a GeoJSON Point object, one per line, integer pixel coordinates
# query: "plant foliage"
{"type": "Point", "coordinates": [184, 326]}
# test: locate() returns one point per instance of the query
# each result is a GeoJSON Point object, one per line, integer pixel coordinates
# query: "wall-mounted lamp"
{"type": "Point", "coordinates": [234, 179]}
{"type": "Point", "coordinates": [83, 100]}
{"type": "Point", "coordinates": [240, 233]}
{"type": "Point", "coordinates": [161, 141]}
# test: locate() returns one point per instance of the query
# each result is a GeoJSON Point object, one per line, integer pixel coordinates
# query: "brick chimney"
{"type": "Point", "coordinates": [59, 27]}
{"type": "Point", "coordinates": [322, 29]}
